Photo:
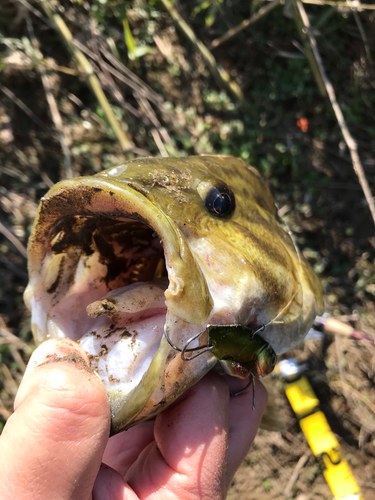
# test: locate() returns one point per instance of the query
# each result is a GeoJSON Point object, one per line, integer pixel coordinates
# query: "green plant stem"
{"type": "Point", "coordinates": [90, 76]}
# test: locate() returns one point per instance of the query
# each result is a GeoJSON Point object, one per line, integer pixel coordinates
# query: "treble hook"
{"type": "Point", "coordinates": [186, 346]}
{"type": "Point", "coordinates": [251, 382]}
{"type": "Point", "coordinates": [203, 348]}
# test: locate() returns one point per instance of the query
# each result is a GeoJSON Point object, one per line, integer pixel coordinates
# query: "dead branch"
{"type": "Point", "coordinates": [4, 412]}
{"type": "Point", "coordinates": [316, 63]}
{"type": "Point", "coordinates": [247, 22]}
{"type": "Point", "coordinates": [22, 106]}
{"type": "Point", "coordinates": [18, 358]}
{"type": "Point", "coordinates": [9, 338]}
{"type": "Point", "coordinates": [13, 239]}
{"type": "Point", "coordinates": [349, 4]}
{"type": "Point", "coordinates": [156, 136]}
{"type": "Point", "coordinates": [12, 384]}
{"type": "Point", "coordinates": [26, 161]}
{"type": "Point", "coordinates": [363, 36]}
{"type": "Point", "coordinates": [154, 120]}
{"type": "Point", "coordinates": [296, 472]}
{"type": "Point", "coordinates": [36, 12]}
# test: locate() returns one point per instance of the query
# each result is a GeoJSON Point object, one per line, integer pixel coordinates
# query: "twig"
{"type": "Point", "coordinates": [107, 81]}
{"type": "Point", "coordinates": [12, 384]}
{"type": "Point", "coordinates": [16, 242]}
{"type": "Point", "coordinates": [363, 36]}
{"type": "Point", "coordinates": [99, 122]}
{"type": "Point", "coordinates": [36, 12]}
{"type": "Point", "coordinates": [13, 268]}
{"type": "Point", "coordinates": [152, 95]}
{"type": "Point", "coordinates": [135, 82]}
{"type": "Point", "coordinates": [54, 110]}
{"type": "Point", "coordinates": [22, 106]}
{"type": "Point", "coordinates": [348, 388]}
{"type": "Point", "coordinates": [350, 4]}
{"type": "Point", "coordinates": [105, 75]}
{"type": "Point", "coordinates": [25, 160]}
{"type": "Point", "coordinates": [247, 22]}
{"type": "Point", "coordinates": [89, 74]}
{"type": "Point", "coordinates": [10, 338]}
{"type": "Point", "coordinates": [141, 91]}
{"type": "Point", "coordinates": [301, 19]}
{"type": "Point", "coordinates": [221, 76]}
{"type": "Point", "coordinates": [4, 412]}
{"type": "Point", "coordinates": [156, 136]}
{"type": "Point", "coordinates": [18, 358]}
{"type": "Point", "coordinates": [130, 82]}
{"type": "Point", "coordinates": [146, 107]}
{"type": "Point", "coordinates": [138, 85]}
{"type": "Point", "coordinates": [296, 472]}
{"type": "Point", "coordinates": [130, 79]}
{"type": "Point", "coordinates": [152, 117]}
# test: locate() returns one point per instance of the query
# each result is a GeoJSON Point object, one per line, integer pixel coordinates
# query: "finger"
{"type": "Point", "coordinates": [51, 447]}
{"type": "Point", "coordinates": [188, 457]}
{"type": "Point", "coordinates": [243, 421]}
{"type": "Point", "coordinates": [123, 449]}
{"type": "Point", "coordinates": [110, 485]}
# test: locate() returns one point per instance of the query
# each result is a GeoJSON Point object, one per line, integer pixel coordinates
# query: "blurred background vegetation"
{"type": "Point", "coordinates": [169, 94]}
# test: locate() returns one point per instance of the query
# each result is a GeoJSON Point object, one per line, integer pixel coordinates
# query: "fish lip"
{"type": "Point", "coordinates": [87, 196]}
{"type": "Point", "coordinates": [91, 197]}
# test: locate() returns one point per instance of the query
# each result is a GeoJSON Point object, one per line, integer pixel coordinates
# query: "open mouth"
{"type": "Point", "coordinates": [106, 270]}
{"type": "Point", "coordinates": [119, 283]}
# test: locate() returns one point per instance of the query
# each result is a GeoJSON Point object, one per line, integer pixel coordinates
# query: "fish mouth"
{"type": "Point", "coordinates": [110, 270]}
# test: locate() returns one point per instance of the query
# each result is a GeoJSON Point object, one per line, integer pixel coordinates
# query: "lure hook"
{"type": "Point", "coordinates": [204, 348]}
{"type": "Point", "coordinates": [251, 382]}
{"type": "Point", "coordinates": [186, 348]}
{"type": "Point", "coordinates": [201, 349]}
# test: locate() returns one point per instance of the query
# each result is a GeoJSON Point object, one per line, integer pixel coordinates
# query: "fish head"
{"type": "Point", "coordinates": [148, 255]}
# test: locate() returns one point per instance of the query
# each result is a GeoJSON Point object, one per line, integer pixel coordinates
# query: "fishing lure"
{"type": "Point", "coordinates": [237, 347]}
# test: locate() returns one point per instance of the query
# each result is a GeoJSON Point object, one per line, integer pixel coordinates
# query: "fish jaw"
{"type": "Point", "coordinates": [96, 245]}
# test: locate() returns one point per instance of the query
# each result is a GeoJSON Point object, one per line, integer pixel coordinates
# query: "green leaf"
{"type": "Point", "coordinates": [129, 40]}
{"type": "Point", "coordinates": [142, 50]}
{"type": "Point", "coordinates": [211, 16]}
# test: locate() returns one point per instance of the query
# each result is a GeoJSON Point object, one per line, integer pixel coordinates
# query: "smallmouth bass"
{"type": "Point", "coordinates": [148, 259]}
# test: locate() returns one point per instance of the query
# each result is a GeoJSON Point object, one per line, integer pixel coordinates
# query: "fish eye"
{"type": "Point", "coordinates": [218, 199]}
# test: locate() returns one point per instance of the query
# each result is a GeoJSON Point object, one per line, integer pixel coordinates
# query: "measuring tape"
{"type": "Point", "coordinates": [318, 433]}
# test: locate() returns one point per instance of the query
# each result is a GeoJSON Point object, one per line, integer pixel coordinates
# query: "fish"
{"type": "Point", "coordinates": [163, 269]}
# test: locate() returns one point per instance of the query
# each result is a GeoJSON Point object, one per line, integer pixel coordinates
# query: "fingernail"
{"type": "Point", "coordinates": [52, 351]}
{"type": "Point", "coordinates": [57, 350]}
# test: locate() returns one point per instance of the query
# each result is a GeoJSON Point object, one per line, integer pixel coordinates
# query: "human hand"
{"type": "Point", "coordinates": [52, 446]}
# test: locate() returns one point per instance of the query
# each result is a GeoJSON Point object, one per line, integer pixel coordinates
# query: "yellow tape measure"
{"type": "Point", "coordinates": [321, 439]}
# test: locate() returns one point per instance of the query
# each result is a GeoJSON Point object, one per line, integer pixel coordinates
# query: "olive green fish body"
{"type": "Point", "coordinates": [167, 245]}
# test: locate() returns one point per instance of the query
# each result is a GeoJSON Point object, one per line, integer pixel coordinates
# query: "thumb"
{"type": "Point", "coordinates": [51, 447]}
